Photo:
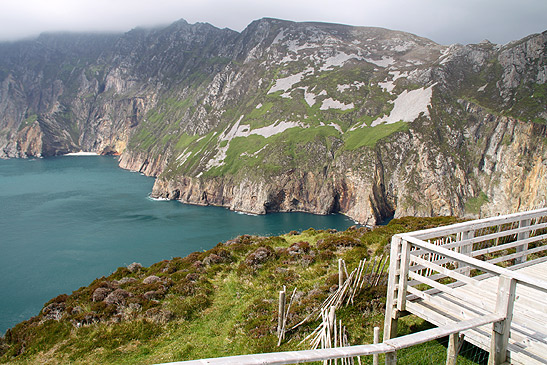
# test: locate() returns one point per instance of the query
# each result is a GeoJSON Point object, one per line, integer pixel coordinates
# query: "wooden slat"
{"type": "Point", "coordinates": [491, 236]}
{"type": "Point", "coordinates": [468, 298]}
{"type": "Point", "coordinates": [481, 265]}
{"type": "Point", "coordinates": [456, 308]}
{"type": "Point", "coordinates": [509, 245]}
{"type": "Point", "coordinates": [447, 272]}
{"type": "Point", "coordinates": [517, 254]}
{"type": "Point", "coordinates": [478, 224]}
{"type": "Point", "coordinates": [528, 338]}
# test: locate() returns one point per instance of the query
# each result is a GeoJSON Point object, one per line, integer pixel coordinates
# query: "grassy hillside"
{"type": "Point", "coordinates": [214, 303]}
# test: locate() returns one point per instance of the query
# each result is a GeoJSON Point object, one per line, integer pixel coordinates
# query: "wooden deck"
{"type": "Point", "coordinates": [528, 335]}
{"type": "Point", "coordinates": [466, 271]}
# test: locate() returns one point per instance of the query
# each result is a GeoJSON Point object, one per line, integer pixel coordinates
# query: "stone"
{"type": "Point", "coordinates": [134, 267]}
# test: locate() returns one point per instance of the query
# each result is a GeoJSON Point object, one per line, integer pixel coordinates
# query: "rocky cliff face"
{"type": "Point", "coordinates": [289, 116]}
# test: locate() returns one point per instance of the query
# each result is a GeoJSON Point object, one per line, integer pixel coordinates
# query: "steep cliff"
{"type": "Point", "coordinates": [289, 116]}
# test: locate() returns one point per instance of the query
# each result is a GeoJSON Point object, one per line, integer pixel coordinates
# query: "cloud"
{"type": "Point", "coordinates": [463, 21]}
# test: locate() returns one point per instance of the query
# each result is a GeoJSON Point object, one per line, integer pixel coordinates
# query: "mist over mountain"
{"type": "Point", "coordinates": [286, 116]}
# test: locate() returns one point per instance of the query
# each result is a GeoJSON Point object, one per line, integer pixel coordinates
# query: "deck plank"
{"type": "Point", "coordinates": [528, 339]}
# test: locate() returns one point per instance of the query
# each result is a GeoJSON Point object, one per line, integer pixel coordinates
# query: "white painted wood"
{"type": "Point", "coordinates": [464, 297]}
{"type": "Point", "coordinates": [510, 245]}
{"type": "Point", "coordinates": [447, 273]}
{"type": "Point", "coordinates": [500, 331]}
{"type": "Point", "coordinates": [525, 223]}
{"type": "Point", "coordinates": [528, 337]}
{"type": "Point", "coordinates": [390, 347]}
{"type": "Point", "coordinates": [481, 265]}
{"type": "Point", "coordinates": [376, 340]}
{"type": "Point", "coordinates": [452, 350]}
{"type": "Point", "coordinates": [390, 321]}
{"type": "Point", "coordinates": [478, 224]}
{"type": "Point", "coordinates": [518, 255]}
{"type": "Point", "coordinates": [403, 276]}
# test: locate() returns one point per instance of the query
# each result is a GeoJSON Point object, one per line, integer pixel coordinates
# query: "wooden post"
{"type": "Point", "coordinates": [376, 341]}
{"type": "Point", "coordinates": [281, 313]}
{"type": "Point", "coordinates": [452, 350]}
{"type": "Point", "coordinates": [392, 315]}
{"type": "Point", "coordinates": [332, 318]}
{"type": "Point", "coordinates": [340, 273]}
{"type": "Point", "coordinates": [403, 276]}
{"type": "Point", "coordinates": [500, 330]}
{"type": "Point", "coordinates": [522, 236]}
{"type": "Point", "coordinates": [466, 249]}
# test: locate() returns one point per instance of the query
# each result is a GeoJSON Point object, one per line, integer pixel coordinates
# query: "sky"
{"type": "Point", "coordinates": [443, 21]}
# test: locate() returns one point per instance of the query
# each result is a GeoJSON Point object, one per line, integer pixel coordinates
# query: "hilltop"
{"type": "Point", "coordinates": [286, 116]}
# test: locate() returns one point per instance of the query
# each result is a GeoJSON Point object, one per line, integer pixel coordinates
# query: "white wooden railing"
{"type": "Point", "coordinates": [437, 261]}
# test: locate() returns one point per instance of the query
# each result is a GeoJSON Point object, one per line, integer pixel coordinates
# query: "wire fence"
{"type": "Point", "coordinates": [435, 352]}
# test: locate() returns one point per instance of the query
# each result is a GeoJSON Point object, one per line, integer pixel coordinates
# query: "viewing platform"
{"type": "Point", "coordinates": [467, 271]}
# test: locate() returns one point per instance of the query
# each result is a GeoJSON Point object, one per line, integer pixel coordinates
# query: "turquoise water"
{"type": "Point", "coordinates": [68, 220]}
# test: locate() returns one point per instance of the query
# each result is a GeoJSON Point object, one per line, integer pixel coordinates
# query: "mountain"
{"type": "Point", "coordinates": [285, 116]}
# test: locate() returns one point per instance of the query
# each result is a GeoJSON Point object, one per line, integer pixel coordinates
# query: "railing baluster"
{"type": "Point", "coordinates": [522, 236]}
{"type": "Point", "coordinates": [391, 316]}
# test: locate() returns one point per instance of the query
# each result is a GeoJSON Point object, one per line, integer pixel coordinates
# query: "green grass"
{"type": "Point", "coordinates": [473, 205]}
{"type": "Point", "coordinates": [281, 151]}
{"type": "Point", "coordinates": [28, 121]}
{"type": "Point", "coordinates": [221, 309]}
{"type": "Point", "coordinates": [369, 136]}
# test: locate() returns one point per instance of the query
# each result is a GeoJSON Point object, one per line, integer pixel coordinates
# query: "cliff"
{"type": "Point", "coordinates": [284, 116]}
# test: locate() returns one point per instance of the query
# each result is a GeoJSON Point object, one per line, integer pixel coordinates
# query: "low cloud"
{"type": "Point", "coordinates": [465, 21]}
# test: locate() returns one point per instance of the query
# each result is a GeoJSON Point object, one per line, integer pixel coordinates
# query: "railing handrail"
{"type": "Point", "coordinates": [478, 264]}
{"type": "Point", "coordinates": [392, 345]}
{"type": "Point", "coordinates": [477, 224]}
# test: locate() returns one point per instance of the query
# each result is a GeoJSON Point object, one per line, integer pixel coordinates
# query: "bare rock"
{"type": "Point", "coordinates": [134, 267]}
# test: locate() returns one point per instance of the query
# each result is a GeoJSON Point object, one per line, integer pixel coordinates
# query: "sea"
{"type": "Point", "coordinates": [65, 221]}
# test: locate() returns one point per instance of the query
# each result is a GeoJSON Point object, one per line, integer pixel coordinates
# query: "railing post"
{"type": "Point", "coordinates": [466, 249]}
{"type": "Point", "coordinates": [454, 344]}
{"type": "Point", "coordinates": [403, 276]}
{"type": "Point", "coordinates": [391, 316]}
{"type": "Point", "coordinates": [522, 236]}
{"type": "Point", "coordinates": [500, 330]}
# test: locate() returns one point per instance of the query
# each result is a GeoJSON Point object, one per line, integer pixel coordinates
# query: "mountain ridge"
{"type": "Point", "coordinates": [286, 116]}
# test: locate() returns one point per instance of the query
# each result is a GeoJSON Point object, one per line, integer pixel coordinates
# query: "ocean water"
{"type": "Point", "coordinates": [65, 221]}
